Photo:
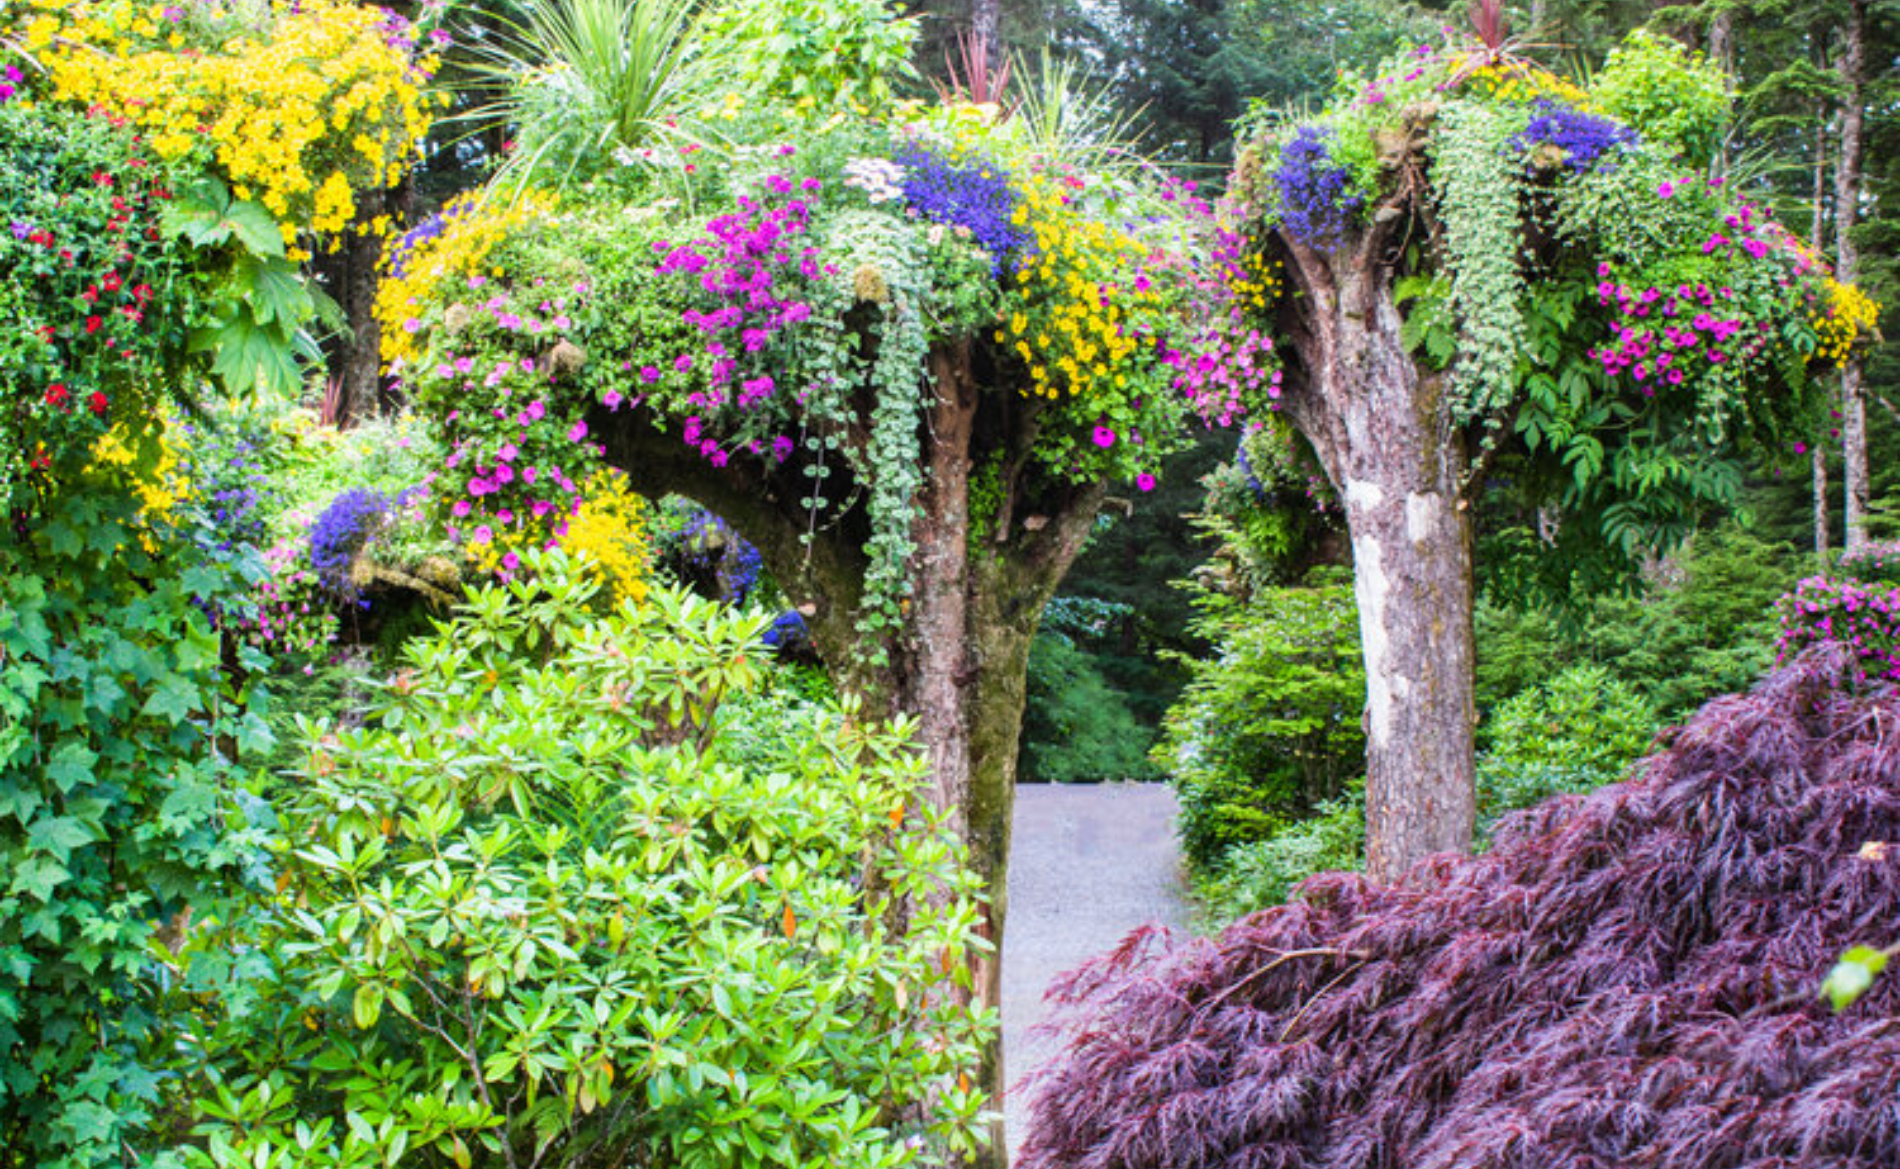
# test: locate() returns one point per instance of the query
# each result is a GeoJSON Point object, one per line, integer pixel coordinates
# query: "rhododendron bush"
{"type": "Point", "coordinates": [1628, 978]}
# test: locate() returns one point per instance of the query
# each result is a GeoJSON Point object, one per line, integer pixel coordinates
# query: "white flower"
{"type": "Point", "coordinates": [879, 178]}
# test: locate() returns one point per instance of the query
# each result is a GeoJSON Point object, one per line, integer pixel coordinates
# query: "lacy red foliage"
{"type": "Point", "coordinates": [1627, 979]}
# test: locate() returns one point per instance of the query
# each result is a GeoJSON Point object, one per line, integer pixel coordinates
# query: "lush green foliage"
{"type": "Point", "coordinates": [1574, 732]}
{"type": "Point", "coordinates": [1257, 874]}
{"type": "Point", "coordinates": [1704, 626]}
{"type": "Point", "coordinates": [1077, 727]}
{"type": "Point", "coordinates": [555, 897]}
{"type": "Point", "coordinates": [123, 812]}
{"type": "Point", "coordinates": [1269, 729]}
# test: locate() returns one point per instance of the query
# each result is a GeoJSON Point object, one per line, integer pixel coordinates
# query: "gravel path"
{"type": "Point", "coordinates": [1088, 863]}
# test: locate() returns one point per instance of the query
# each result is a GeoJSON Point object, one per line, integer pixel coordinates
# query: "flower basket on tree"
{"type": "Point", "coordinates": [905, 352]}
{"type": "Point", "coordinates": [1493, 274]}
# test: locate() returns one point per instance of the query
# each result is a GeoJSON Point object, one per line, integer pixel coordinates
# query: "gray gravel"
{"type": "Point", "coordinates": [1088, 863]}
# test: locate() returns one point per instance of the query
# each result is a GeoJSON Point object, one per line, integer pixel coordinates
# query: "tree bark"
{"type": "Point", "coordinates": [961, 665]}
{"type": "Point", "coordinates": [1847, 194]}
{"type": "Point", "coordinates": [1816, 233]}
{"type": "Point", "coordinates": [1383, 430]}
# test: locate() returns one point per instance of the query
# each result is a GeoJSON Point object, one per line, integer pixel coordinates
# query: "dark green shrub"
{"type": "Point", "coordinates": [1076, 726]}
{"type": "Point", "coordinates": [1269, 730]}
{"type": "Point", "coordinates": [1574, 733]}
{"type": "Point", "coordinates": [1261, 873]}
{"type": "Point", "coordinates": [1705, 626]}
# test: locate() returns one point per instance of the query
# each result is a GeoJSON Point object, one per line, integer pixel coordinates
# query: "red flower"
{"type": "Point", "coordinates": [91, 295]}
{"type": "Point", "coordinates": [92, 324]}
{"type": "Point", "coordinates": [111, 283]}
{"type": "Point", "coordinates": [98, 403]}
{"type": "Point", "coordinates": [57, 394]}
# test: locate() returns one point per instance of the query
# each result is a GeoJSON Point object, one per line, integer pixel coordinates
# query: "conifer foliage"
{"type": "Point", "coordinates": [1628, 978]}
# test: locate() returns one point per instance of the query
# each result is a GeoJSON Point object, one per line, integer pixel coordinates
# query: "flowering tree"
{"type": "Point", "coordinates": [1493, 274]}
{"type": "Point", "coordinates": [906, 353]}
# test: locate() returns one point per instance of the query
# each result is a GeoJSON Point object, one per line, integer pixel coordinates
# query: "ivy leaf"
{"type": "Point", "coordinates": [59, 836]}
{"type": "Point", "coordinates": [39, 876]}
{"type": "Point", "coordinates": [173, 699]}
{"type": "Point", "coordinates": [71, 765]}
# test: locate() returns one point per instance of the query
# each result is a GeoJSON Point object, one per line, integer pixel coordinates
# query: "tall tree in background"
{"type": "Point", "coordinates": [1847, 200]}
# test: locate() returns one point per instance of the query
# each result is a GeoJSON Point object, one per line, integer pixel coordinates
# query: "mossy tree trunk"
{"type": "Point", "coordinates": [1384, 431]}
{"type": "Point", "coordinates": [959, 664]}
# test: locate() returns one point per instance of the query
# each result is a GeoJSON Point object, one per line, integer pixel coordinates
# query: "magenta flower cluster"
{"type": "Point", "coordinates": [753, 267]}
{"type": "Point", "coordinates": [1231, 363]}
{"type": "Point", "coordinates": [1863, 618]}
{"type": "Point", "coordinates": [1665, 336]}
{"type": "Point", "coordinates": [511, 466]}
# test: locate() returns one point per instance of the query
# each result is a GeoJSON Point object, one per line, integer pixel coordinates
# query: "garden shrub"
{"type": "Point", "coordinates": [1270, 729]}
{"type": "Point", "coordinates": [1843, 611]}
{"type": "Point", "coordinates": [1627, 978]}
{"type": "Point", "coordinates": [1077, 728]}
{"type": "Point", "coordinates": [1574, 733]}
{"type": "Point", "coordinates": [1256, 874]}
{"type": "Point", "coordinates": [1705, 627]}
{"type": "Point", "coordinates": [576, 895]}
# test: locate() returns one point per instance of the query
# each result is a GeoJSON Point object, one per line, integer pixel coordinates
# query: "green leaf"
{"type": "Point", "coordinates": [279, 295]}
{"type": "Point", "coordinates": [59, 835]}
{"type": "Point", "coordinates": [1852, 975]}
{"type": "Point", "coordinates": [255, 229]}
{"type": "Point", "coordinates": [174, 699]}
{"type": "Point", "coordinates": [366, 1006]}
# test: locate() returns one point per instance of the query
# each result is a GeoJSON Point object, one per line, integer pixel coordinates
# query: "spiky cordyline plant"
{"type": "Point", "coordinates": [1065, 116]}
{"type": "Point", "coordinates": [589, 81]}
{"type": "Point", "coordinates": [1627, 979]}
{"type": "Point", "coordinates": [975, 76]}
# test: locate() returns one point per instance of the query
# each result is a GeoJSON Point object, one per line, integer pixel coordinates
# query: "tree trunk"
{"type": "Point", "coordinates": [1382, 429]}
{"type": "Point", "coordinates": [356, 354]}
{"type": "Point", "coordinates": [961, 666]}
{"type": "Point", "coordinates": [986, 29]}
{"type": "Point", "coordinates": [1847, 193]}
{"type": "Point", "coordinates": [1820, 501]}
{"type": "Point", "coordinates": [1817, 226]}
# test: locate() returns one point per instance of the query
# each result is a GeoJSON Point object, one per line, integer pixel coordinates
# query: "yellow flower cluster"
{"type": "Point", "coordinates": [1258, 283]}
{"type": "Point", "coordinates": [609, 534]}
{"type": "Point", "coordinates": [161, 485]}
{"type": "Point", "coordinates": [471, 229]}
{"type": "Point", "coordinates": [297, 114]}
{"type": "Point", "coordinates": [1850, 312]}
{"type": "Point", "coordinates": [1076, 290]}
{"type": "Point", "coordinates": [1515, 80]}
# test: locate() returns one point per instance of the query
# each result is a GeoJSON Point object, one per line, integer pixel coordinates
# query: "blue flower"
{"type": "Point", "coordinates": [1589, 142]}
{"type": "Point", "coordinates": [342, 531]}
{"type": "Point", "coordinates": [1314, 204]}
{"type": "Point", "coordinates": [787, 631]}
{"type": "Point", "coordinates": [974, 195]}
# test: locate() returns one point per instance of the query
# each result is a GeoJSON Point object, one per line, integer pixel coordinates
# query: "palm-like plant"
{"type": "Point", "coordinates": [1064, 115]}
{"type": "Point", "coordinates": [589, 81]}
